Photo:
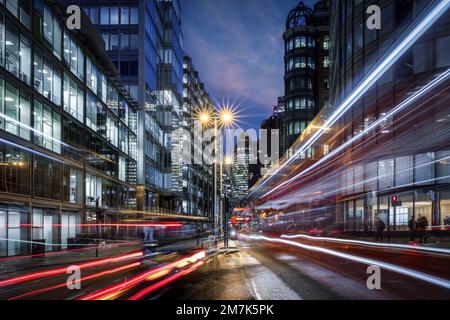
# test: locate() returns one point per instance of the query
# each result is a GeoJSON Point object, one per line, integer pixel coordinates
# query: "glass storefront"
{"type": "Point", "coordinates": [445, 208]}
{"type": "Point", "coordinates": [362, 214]}
{"type": "Point", "coordinates": [70, 227]}
{"type": "Point", "coordinates": [45, 228]}
{"type": "Point", "coordinates": [401, 215]}
{"type": "Point", "coordinates": [424, 205]}
{"type": "Point", "coordinates": [12, 234]}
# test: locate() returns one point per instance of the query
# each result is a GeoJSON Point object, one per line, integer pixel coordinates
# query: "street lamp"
{"type": "Point", "coordinates": [98, 215]}
{"type": "Point", "coordinates": [204, 118]}
{"type": "Point", "coordinates": [227, 162]}
{"type": "Point", "coordinates": [221, 119]}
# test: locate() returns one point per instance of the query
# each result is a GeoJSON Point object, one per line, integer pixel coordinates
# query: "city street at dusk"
{"type": "Point", "coordinates": [220, 158]}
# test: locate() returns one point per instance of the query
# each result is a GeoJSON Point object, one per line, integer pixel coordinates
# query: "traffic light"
{"type": "Point", "coordinates": [395, 202]}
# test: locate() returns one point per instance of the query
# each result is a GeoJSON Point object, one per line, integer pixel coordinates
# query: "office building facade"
{"type": "Point", "coordinates": [144, 40]}
{"type": "Point", "coordinates": [306, 68]}
{"type": "Point", "coordinates": [386, 155]}
{"type": "Point", "coordinates": [198, 178]}
{"type": "Point", "coordinates": [68, 131]}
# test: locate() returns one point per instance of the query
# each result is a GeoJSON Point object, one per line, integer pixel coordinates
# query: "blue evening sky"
{"type": "Point", "coordinates": [237, 47]}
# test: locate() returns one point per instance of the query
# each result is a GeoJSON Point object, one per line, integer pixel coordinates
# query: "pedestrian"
{"type": "Point", "coordinates": [380, 230]}
{"type": "Point", "coordinates": [422, 225]}
{"type": "Point", "coordinates": [412, 229]}
{"type": "Point", "coordinates": [447, 221]}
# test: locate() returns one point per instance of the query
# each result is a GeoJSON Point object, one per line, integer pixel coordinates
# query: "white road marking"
{"type": "Point", "coordinates": [263, 283]}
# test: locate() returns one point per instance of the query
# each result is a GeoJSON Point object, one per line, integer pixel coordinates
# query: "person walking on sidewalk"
{"type": "Point", "coordinates": [380, 230]}
{"type": "Point", "coordinates": [422, 225]}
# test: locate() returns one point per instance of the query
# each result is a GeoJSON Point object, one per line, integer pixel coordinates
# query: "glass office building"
{"type": "Point", "coordinates": [198, 181]}
{"type": "Point", "coordinates": [387, 154]}
{"type": "Point", "coordinates": [144, 41]}
{"type": "Point", "coordinates": [68, 131]}
{"type": "Point", "coordinates": [409, 159]}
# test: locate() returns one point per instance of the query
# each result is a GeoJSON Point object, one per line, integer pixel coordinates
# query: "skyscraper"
{"type": "Point", "coordinates": [144, 40]}
{"type": "Point", "coordinates": [245, 156]}
{"type": "Point", "coordinates": [306, 67]}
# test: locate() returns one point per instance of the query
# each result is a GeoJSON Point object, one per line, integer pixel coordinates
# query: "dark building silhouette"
{"type": "Point", "coordinates": [306, 67]}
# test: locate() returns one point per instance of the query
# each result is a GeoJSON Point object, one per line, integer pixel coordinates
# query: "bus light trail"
{"type": "Point", "coordinates": [114, 291]}
{"type": "Point", "coordinates": [420, 93]}
{"type": "Point", "coordinates": [63, 270]}
{"type": "Point", "coordinates": [370, 244]}
{"type": "Point", "coordinates": [419, 27]}
{"type": "Point", "coordinates": [367, 261]}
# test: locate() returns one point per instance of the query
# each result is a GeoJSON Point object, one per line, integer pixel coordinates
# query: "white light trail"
{"type": "Point", "coordinates": [426, 89]}
{"type": "Point", "coordinates": [30, 150]}
{"type": "Point", "coordinates": [370, 244]}
{"type": "Point", "coordinates": [37, 132]}
{"type": "Point", "coordinates": [367, 261]}
{"type": "Point", "coordinates": [401, 46]}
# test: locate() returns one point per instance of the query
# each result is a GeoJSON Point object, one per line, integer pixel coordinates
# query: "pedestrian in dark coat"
{"type": "Point", "coordinates": [380, 230]}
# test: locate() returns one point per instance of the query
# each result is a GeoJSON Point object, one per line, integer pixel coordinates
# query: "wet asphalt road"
{"type": "Point", "coordinates": [266, 271]}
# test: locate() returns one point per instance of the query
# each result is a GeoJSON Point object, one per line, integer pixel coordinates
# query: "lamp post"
{"type": "Point", "coordinates": [98, 215]}
{"type": "Point", "coordinates": [228, 161]}
{"type": "Point", "coordinates": [219, 120]}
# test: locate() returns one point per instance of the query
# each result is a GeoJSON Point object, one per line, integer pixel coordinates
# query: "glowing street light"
{"type": "Point", "coordinates": [224, 117]}
{"type": "Point", "coordinates": [227, 117]}
{"type": "Point", "coordinates": [221, 119]}
{"type": "Point", "coordinates": [228, 161]}
{"type": "Point", "coordinates": [204, 118]}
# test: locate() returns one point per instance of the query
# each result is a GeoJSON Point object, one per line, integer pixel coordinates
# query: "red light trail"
{"type": "Point", "coordinates": [58, 271]}
{"type": "Point", "coordinates": [165, 282]}
{"type": "Point", "coordinates": [97, 275]}
{"type": "Point", "coordinates": [107, 292]}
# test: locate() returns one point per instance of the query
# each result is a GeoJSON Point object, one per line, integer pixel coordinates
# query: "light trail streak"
{"type": "Point", "coordinates": [64, 285]}
{"type": "Point", "coordinates": [417, 29]}
{"type": "Point", "coordinates": [370, 244]}
{"type": "Point", "coordinates": [118, 225]}
{"type": "Point", "coordinates": [165, 282]}
{"type": "Point", "coordinates": [63, 270]}
{"type": "Point", "coordinates": [30, 150]}
{"type": "Point", "coordinates": [61, 252]}
{"type": "Point", "coordinates": [47, 244]}
{"type": "Point", "coordinates": [367, 261]}
{"type": "Point", "coordinates": [35, 131]}
{"type": "Point", "coordinates": [114, 291]}
{"type": "Point", "coordinates": [426, 89]}
{"type": "Point", "coordinates": [286, 202]}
